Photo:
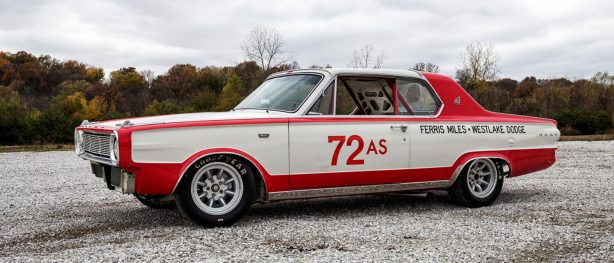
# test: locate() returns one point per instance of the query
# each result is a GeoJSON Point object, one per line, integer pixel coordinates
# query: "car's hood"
{"type": "Point", "coordinates": [190, 117]}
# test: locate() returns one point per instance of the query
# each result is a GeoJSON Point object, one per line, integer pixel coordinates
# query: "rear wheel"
{"type": "Point", "coordinates": [216, 191]}
{"type": "Point", "coordinates": [478, 185]}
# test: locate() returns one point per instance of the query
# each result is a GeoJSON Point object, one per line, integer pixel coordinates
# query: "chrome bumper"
{"type": "Point", "coordinates": [97, 159]}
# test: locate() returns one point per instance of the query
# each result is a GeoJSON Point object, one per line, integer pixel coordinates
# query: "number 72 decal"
{"type": "Point", "coordinates": [360, 145]}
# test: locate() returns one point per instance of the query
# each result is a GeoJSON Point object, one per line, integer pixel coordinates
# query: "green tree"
{"type": "Point", "coordinates": [212, 78]}
{"type": "Point", "coordinates": [164, 107]}
{"type": "Point", "coordinates": [205, 100]}
{"type": "Point", "coordinates": [251, 74]}
{"type": "Point", "coordinates": [231, 93]}
{"type": "Point", "coordinates": [13, 118]}
{"type": "Point", "coordinates": [131, 92]}
{"type": "Point", "coordinates": [70, 87]}
{"type": "Point", "coordinates": [64, 114]}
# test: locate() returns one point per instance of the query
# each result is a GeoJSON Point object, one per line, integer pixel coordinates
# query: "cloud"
{"type": "Point", "coordinates": [543, 38]}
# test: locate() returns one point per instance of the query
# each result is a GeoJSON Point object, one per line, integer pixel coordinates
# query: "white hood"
{"type": "Point", "coordinates": [189, 117]}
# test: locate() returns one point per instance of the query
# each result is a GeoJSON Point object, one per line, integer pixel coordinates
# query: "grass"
{"type": "Point", "coordinates": [597, 137]}
{"type": "Point", "coordinates": [37, 148]}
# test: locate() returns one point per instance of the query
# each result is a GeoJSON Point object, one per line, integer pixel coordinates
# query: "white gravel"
{"type": "Point", "coordinates": [54, 209]}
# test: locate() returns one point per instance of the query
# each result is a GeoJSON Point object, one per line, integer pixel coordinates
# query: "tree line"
{"type": "Point", "coordinates": [580, 106]}
{"type": "Point", "coordinates": [42, 98]}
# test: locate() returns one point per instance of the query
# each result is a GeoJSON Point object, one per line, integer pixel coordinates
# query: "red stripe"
{"type": "Point", "coordinates": [446, 119]}
{"type": "Point", "coordinates": [209, 123]}
{"type": "Point", "coordinates": [160, 179]}
{"type": "Point", "coordinates": [443, 119]}
{"type": "Point", "coordinates": [521, 162]}
{"type": "Point", "coordinates": [338, 179]}
{"type": "Point", "coordinates": [273, 183]}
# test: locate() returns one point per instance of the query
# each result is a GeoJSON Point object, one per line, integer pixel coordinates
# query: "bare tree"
{"type": "Point", "coordinates": [149, 76]}
{"type": "Point", "coordinates": [266, 46]}
{"type": "Point", "coordinates": [603, 78]}
{"type": "Point", "coordinates": [318, 66]}
{"type": "Point", "coordinates": [428, 67]}
{"type": "Point", "coordinates": [294, 65]}
{"type": "Point", "coordinates": [364, 58]}
{"type": "Point", "coordinates": [480, 62]}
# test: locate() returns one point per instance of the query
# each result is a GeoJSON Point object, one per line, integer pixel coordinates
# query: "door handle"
{"type": "Point", "coordinates": [402, 127]}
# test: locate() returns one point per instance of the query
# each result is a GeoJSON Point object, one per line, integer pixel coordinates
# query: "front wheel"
{"type": "Point", "coordinates": [216, 191]}
{"type": "Point", "coordinates": [478, 185]}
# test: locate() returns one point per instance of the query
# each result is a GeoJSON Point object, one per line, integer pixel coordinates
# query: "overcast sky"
{"type": "Point", "coordinates": [543, 38]}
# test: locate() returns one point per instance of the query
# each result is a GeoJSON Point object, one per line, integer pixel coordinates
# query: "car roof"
{"type": "Point", "coordinates": [356, 71]}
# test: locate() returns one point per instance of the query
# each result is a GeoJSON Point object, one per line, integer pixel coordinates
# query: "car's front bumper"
{"type": "Point", "coordinates": [116, 178]}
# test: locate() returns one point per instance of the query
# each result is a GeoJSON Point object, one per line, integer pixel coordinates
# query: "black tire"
{"type": "Point", "coordinates": [461, 193]}
{"type": "Point", "coordinates": [155, 202]}
{"type": "Point", "coordinates": [191, 185]}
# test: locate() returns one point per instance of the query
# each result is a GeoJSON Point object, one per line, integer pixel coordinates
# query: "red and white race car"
{"type": "Point", "coordinates": [319, 133]}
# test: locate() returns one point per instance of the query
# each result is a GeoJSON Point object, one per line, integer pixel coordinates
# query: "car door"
{"type": "Point", "coordinates": [430, 152]}
{"type": "Point", "coordinates": [351, 136]}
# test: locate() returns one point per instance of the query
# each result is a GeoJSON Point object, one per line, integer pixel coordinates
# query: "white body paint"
{"type": "Point", "coordinates": [177, 145]}
{"type": "Point", "coordinates": [299, 144]}
{"type": "Point", "coordinates": [299, 148]}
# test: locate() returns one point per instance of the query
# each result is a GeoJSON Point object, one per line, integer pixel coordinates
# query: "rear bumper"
{"type": "Point", "coordinates": [529, 161]}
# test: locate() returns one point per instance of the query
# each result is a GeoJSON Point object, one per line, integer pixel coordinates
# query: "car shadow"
{"type": "Point", "coordinates": [141, 217]}
{"type": "Point", "coordinates": [358, 205]}
{"type": "Point", "coordinates": [524, 196]}
{"type": "Point", "coordinates": [369, 205]}
{"type": "Point", "coordinates": [131, 217]}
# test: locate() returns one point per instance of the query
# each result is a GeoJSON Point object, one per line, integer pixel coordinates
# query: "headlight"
{"type": "Point", "coordinates": [78, 142]}
{"type": "Point", "coordinates": [115, 147]}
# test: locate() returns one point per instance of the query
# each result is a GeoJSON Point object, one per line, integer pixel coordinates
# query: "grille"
{"type": "Point", "coordinates": [97, 144]}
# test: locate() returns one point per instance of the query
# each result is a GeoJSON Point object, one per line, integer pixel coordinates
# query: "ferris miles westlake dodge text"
{"type": "Point", "coordinates": [460, 129]}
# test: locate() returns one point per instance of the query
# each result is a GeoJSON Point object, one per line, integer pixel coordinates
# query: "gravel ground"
{"type": "Point", "coordinates": [53, 209]}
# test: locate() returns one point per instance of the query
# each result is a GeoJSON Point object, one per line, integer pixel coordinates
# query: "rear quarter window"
{"type": "Point", "coordinates": [418, 96]}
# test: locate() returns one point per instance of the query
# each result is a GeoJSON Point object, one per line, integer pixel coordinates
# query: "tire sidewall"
{"type": "Point", "coordinates": [472, 200]}
{"type": "Point", "coordinates": [487, 200]}
{"type": "Point", "coordinates": [186, 203]}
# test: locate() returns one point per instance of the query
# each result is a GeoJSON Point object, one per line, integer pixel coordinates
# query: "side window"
{"type": "Point", "coordinates": [415, 98]}
{"type": "Point", "coordinates": [364, 96]}
{"type": "Point", "coordinates": [345, 104]}
{"type": "Point", "coordinates": [325, 103]}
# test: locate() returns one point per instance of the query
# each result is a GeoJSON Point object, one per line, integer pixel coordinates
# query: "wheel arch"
{"type": "Point", "coordinates": [260, 173]}
{"type": "Point", "coordinates": [501, 162]}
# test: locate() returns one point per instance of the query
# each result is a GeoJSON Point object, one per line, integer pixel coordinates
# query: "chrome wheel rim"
{"type": "Point", "coordinates": [482, 178]}
{"type": "Point", "coordinates": [217, 188]}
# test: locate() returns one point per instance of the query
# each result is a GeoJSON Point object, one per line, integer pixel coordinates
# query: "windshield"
{"type": "Point", "coordinates": [285, 93]}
